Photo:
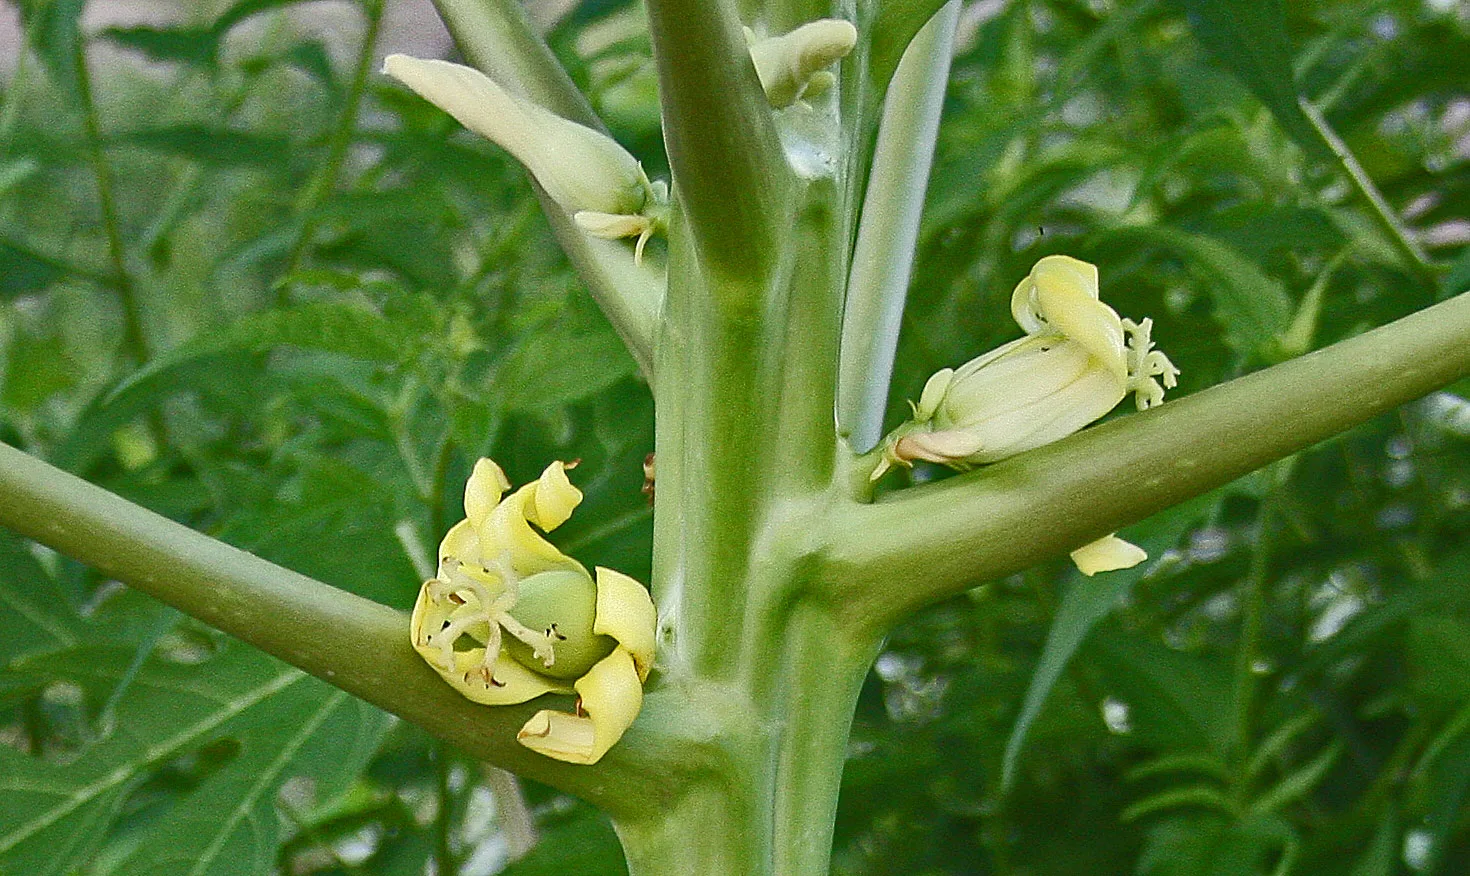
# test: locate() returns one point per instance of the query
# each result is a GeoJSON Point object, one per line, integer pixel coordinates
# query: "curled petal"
{"type": "Point", "coordinates": [625, 612]}
{"type": "Point", "coordinates": [611, 694]}
{"type": "Point", "coordinates": [508, 537]}
{"type": "Point", "coordinates": [483, 490]}
{"type": "Point", "coordinates": [1107, 554]}
{"type": "Point", "coordinates": [554, 498]}
{"type": "Point", "coordinates": [1060, 296]}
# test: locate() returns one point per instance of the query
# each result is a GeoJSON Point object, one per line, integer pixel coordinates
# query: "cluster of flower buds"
{"type": "Point", "coordinates": [584, 171]}
{"type": "Point", "coordinates": [1077, 361]}
{"type": "Point", "coordinates": [792, 66]}
{"type": "Point", "coordinates": [509, 618]}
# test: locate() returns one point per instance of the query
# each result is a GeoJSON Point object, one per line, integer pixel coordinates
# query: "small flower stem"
{"type": "Point", "coordinates": [516, 822]}
{"type": "Point", "coordinates": [1415, 259]}
{"type": "Point", "coordinates": [1252, 619]}
{"type": "Point", "coordinates": [330, 170]}
{"type": "Point", "coordinates": [135, 340]}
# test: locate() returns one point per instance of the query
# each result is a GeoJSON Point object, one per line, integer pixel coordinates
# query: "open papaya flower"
{"type": "Point", "coordinates": [509, 617]}
{"type": "Point", "coordinates": [1076, 362]}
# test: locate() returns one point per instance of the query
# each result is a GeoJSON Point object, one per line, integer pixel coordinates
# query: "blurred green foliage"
{"type": "Point", "coordinates": [250, 286]}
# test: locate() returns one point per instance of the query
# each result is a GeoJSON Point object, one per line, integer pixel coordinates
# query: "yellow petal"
{"type": "Point", "coordinates": [1107, 554]}
{"type": "Point", "coordinates": [625, 612]}
{"type": "Point", "coordinates": [1060, 296]}
{"type": "Point", "coordinates": [460, 543]}
{"type": "Point", "coordinates": [611, 696]}
{"type": "Point", "coordinates": [483, 490]}
{"type": "Point", "coordinates": [555, 498]}
{"type": "Point", "coordinates": [512, 683]}
{"type": "Point", "coordinates": [547, 502]}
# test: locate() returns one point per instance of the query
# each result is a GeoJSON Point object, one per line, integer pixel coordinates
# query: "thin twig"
{"type": "Point", "coordinates": [326, 177]}
{"type": "Point", "coordinates": [1416, 260]}
{"type": "Point", "coordinates": [134, 340]}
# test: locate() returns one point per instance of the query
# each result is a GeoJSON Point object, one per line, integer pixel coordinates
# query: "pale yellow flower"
{"type": "Point", "coordinates": [1077, 360]}
{"type": "Point", "coordinates": [509, 617]}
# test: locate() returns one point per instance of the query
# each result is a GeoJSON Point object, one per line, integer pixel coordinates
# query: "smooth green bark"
{"type": "Point", "coordinates": [775, 579]}
{"type": "Point", "coordinates": [1016, 513]}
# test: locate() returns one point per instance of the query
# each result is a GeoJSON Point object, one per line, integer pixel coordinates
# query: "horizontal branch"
{"type": "Point", "coordinates": [919, 545]}
{"type": "Point", "coordinates": [346, 640]}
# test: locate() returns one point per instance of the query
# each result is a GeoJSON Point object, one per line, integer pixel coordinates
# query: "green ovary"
{"type": "Point", "coordinates": [563, 603]}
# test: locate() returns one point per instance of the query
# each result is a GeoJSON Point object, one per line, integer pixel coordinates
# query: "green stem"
{"type": "Point", "coordinates": [326, 176]}
{"type": "Point", "coordinates": [135, 339]}
{"type": "Point", "coordinates": [498, 37]}
{"type": "Point", "coordinates": [445, 862]}
{"type": "Point", "coordinates": [728, 166]}
{"type": "Point", "coordinates": [883, 256]}
{"type": "Point", "coordinates": [1252, 625]}
{"type": "Point", "coordinates": [942, 538]}
{"type": "Point", "coordinates": [1415, 259]}
{"type": "Point", "coordinates": [893, 29]}
{"type": "Point", "coordinates": [358, 645]}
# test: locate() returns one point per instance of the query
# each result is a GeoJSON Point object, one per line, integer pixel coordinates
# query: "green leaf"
{"type": "Point", "coordinates": [1252, 307]}
{"type": "Point", "coordinates": [1088, 601]}
{"type": "Point", "coordinates": [23, 272]}
{"type": "Point", "coordinates": [216, 146]}
{"type": "Point", "coordinates": [247, 8]}
{"type": "Point", "coordinates": [583, 843]}
{"type": "Point", "coordinates": [1249, 37]}
{"type": "Point", "coordinates": [186, 45]}
{"type": "Point", "coordinates": [53, 31]}
{"type": "Point", "coordinates": [562, 365]}
{"type": "Point", "coordinates": [1176, 700]}
{"type": "Point", "coordinates": [1382, 855]}
{"type": "Point", "coordinates": [260, 722]}
{"type": "Point", "coordinates": [34, 614]}
{"type": "Point", "coordinates": [328, 326]}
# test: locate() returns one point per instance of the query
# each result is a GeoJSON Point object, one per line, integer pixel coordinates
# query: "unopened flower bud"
{"type": "Point", "coordinates": [585, 172]}
{"type": "Point", "coordinates": [792, 66]}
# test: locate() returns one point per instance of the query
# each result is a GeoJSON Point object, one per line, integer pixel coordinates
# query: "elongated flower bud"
{"type": "Point", "coordinates": [792, 66]}
{"type": "Point", "coordinates": [585, 172]}
{"type": "Point", "coordinates": [1076, 362]}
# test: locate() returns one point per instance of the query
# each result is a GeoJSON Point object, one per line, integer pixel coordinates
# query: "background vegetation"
{"type": "Point", "coordinates": [250, 284]}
